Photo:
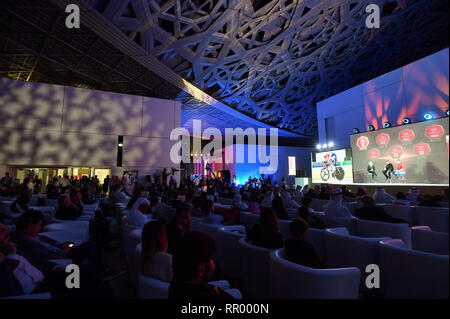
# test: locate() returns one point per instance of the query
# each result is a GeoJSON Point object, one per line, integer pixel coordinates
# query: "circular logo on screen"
{"type": "Point", "coordinates": [362, 142]}
{"type": "Point", "coordinates": [434, 132]}
{"type": "Point", "coordinates": [383, 139]}
{"type": "Point", "coordinates": [406, 135]}
{"type": "Point", "coordinates": [396, 151]}
{"type": "Point", "coordinates": [422, 149]}
{"type": "Point", "coordinates": [373, 153]}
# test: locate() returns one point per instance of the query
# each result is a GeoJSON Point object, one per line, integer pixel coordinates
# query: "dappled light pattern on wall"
{"type": "Point", "coordinates": [273, 60]}
{"type": "Point", "coordinates": [43, 124]}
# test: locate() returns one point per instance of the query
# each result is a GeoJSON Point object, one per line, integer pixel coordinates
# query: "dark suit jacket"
{"type": "Point", "coordinates": [303, 253]}
{"type": "Point", "coordinates": [9, 285]}
{"type": "Point", "coordinates": [39, 256]}
{"type": "Point", "coordinates": [376, 213]}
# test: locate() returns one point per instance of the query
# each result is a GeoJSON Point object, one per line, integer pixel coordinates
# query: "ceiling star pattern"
{"type": "Point", "coordinates": [273, 60]}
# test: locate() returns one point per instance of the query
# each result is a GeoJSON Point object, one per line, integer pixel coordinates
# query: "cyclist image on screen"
{"type": "Point", "coordinates": [331, 168]}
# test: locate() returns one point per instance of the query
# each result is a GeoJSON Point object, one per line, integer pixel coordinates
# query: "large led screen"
{"type": "Point", "coordinates": [414, 154]}
{"type": "Point", "coordinates": [332, 167]}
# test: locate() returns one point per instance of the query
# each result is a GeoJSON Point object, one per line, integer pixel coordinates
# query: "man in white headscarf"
{"type": "Point", "coordinates": [137, 216]}
{"type": "Point", "coordinates": [335, 210]}
{"type": "Point", "coordinates": [267, 201]}
{"type": "Point", "coordinates": [237, 202]}
{"type": "Point", "coordinates": [381, 197]}
{"type": "Point", "coordinates": [287, 200]}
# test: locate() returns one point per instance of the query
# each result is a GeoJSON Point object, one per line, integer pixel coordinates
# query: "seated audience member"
{"type": "Point", "coordinates": [370, 211]}
{"type": "Point", "coordinates": [155, 261]}
{"type": "Point", "coordinates": [208, 213]}
{"type": "Point", "coordinates": [267, 201]}
{"type": "Point", "coordinates": [298, 193]}
{"type": "Point", "coordinates": [193, 267]}
{"type": "Point", "coordinates": [305, 213]}
{"type": "Point", "coordinates": [430, 201]}
{"type": "Point", "coordinates": [20, 205]}
{"type": "Point", "coordinates": [137, 193]}
{"type": "Point", "coordinates": [335, 210]}
{"type": "Point", "coordinates": [414, 195]}
{"type": "Point", "coordinates": [347, 194]}
{"type": "Point", "coordinates": [137, 215]}
{"type": "Point", "coordinates": [287, 200]}
{"type": "Point", "coordinates": [297, 249]}
{"type": "Point", "coordinates": [253, 205]}
{"type": "Point", "coordinates": [196, 210]}
{"type": "Point", "coordinates": [118, 194]}
{"type": "Point", "coordinates": [237, 202]}
{"type": "Point", "coordinates": [381, 197]}
{"type": "Point", "coordinates": [401, 199]}
{"type": "Point", "coordinates": [39, 250]}
{"type": "Point", "coordinates": [179, 226]}
{"type": "Point", "coordinates": [360, 193]}
{"type": "Point", "coordinates": [267, 233]}
{"type": "Point", "coordinates": [19, 276]}
{"type": "Point", "coordinates": [278, 207]}
{"type": "Point", "coordinates": [325, 193]}
{"type": "Point", "coordinates": [67, 210]}
{"type": "Point", "coordinates": [52, 191]}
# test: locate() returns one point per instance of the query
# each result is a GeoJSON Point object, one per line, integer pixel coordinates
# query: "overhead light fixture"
{"type": "Point", "coordinates": [355, 131]}
{"type": "Point", "coordinates": [387, 124]}
{"type": "Point", "coordinates": [428, 116]}
{"type": "Point", "coordinates": [406, 121]}
{"type": "Point", "coordinates": [330, 144]}
{"type": "Point", "coordinates": [319, 146]}
{"type": "Point", "coordinates": [371, 128]}
{"type": "Point", "coordinates": [324, 146]}
{"type": "Point", "coordinates": [120, 145]}
{"type": "Point", "coordinates": [446, 112]}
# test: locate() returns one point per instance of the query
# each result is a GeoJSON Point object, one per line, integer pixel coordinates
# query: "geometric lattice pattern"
{"type": "Point", "coordinates": [273, 60]}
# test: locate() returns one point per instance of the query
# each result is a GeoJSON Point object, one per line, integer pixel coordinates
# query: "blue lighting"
{"type": "Point", "coordinates": [406, 121]}
{"type": "Point", "coordinates": [428, 116]}
{"type": "Point", "coordinates": [387, 124]}
{"type": "Point", "coordinates": [371, 128]}
{"type": "Point", "coordinates": [447, 112]}
{"type": "Point", "coordinates": [355, 131]}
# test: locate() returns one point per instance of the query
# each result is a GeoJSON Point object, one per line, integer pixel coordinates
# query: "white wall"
{"type": "Point", "coordinates": [409, 91]}
{"type": "Point", "coordinates": [45, 125]}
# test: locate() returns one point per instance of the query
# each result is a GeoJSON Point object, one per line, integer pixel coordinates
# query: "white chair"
{"type": "Point", "coordinates": [225, 201]}
{"type": "Point", "coordinates": [349, 223]}
{"type": "Point", "coordinates": [133, 239]}
{"type": "Point", "coordinates": [400, 211]}
{"type": "Point", "coordinates": [369, 228]}
{"type": "Point", "coordinates": [424, 239]}
{"type": "Point", "coordinates": [409, 274]}
{"type": "Point", "coordinates": [52, 202]}
{"type": "Point", "coordinates": [249, 219]}
{"type": "Point", "coordinates": [345, 250]}
{"type": "Point", "coordinates": [151, 288]}
{"type": "Point", "coordinates": [434, 217]}
{"type": "Point", "coordinates": [44, 295]}
{"type": "Point", "coordinates": [316, 237]}
{"type": "Point", "coordinates": [228, 249]}
{"type": "Point", "coordinates": [293, 281]}
{"type": "Point", "coordinates": [76, 236]}
{"type": "Point", "coordinates": [284, 228]}
{"type": "Point", "coordinates": [292, 212]}
{"type": "Point", "coordinates": [319, 204]}
{"type": "Point", "coordinates": [255, 265]}
{"type": "Point", "coordinates": [74, 223]}
{"type": "Point", "coordinates": [352, 206]}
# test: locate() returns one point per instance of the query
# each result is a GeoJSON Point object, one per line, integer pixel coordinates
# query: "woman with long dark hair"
{"type": "Point", "coordinates": [267, 232]}
{"type": "Point", "coordinates": [155, 261]}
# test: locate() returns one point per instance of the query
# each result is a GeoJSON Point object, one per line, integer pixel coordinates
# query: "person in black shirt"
{"type": "Point", "coordinates": [370, 211]}
{"type": "Point", "coordinates": [388, 169]}
{"type": "Point", "coordinates": [267, 233]}
{"type": "Point", "coordinates": [179, 226]}
{"type": "Point", "coordinates": [67, 210]}
{"type": "Point", "coordinates": [20, 205]}
{"type": "Point", "coordinates": [297, 249]}
{"type": "Point", "coordinates": [193, 267]}
{"type": "Point", "coordinates": [278, 207]}
{"type": "Point", "coordinates": [304, 212]}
